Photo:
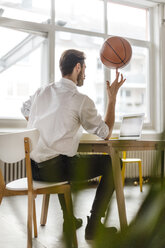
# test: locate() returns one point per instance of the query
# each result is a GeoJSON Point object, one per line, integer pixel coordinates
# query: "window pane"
{"type": "Point", "coordinates": [7, 43]}
{"type": "Point", "coordinates": [20, 70]}
{"type": "Point", "coordinates": [27, 10]}
{"type": "Point", "coordinates": [86, 15]}
{"type": "Point", "coordinates": [93, 84]}
{"type": "Point", "coordinates": [132, 96]}
{"type": "Point", "coordinates": [127, 21]}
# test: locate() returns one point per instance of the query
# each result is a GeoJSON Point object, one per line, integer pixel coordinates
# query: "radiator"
{"type": "Point", "coordinates": [13, 171]}
{"type": "Point", "coordinates": [150, 166]}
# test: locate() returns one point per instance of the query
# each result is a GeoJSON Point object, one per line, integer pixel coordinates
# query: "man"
{"type": "Point", "coordinates": [59, 111]}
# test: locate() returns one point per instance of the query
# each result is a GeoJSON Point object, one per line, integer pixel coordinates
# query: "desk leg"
{"type": "Point", "coordinates": [118, 187]}
{"type": "Point", "coordinates": [162, 164]}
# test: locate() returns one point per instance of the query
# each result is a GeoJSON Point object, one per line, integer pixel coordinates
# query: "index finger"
{"type": "Point", "coordinates": [117, 74]}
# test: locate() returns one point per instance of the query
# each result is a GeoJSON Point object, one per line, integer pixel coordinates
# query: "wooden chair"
{"type": "Point", "coordinates": [15, 147]}
{"type": "Point", "coordinates": [125, 161]}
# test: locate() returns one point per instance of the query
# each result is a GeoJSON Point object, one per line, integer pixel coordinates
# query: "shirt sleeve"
{"type": "Point", "coordinates": [90, 119]}
{"type": "Point", "coordinates": [26, 106]}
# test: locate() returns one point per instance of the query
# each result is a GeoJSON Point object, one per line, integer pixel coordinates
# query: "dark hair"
{"type": "Point", "coordinates": [69, 59]}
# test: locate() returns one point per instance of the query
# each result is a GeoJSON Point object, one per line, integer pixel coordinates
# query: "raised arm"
{"type": "Point", "coordinates": [112, 91]}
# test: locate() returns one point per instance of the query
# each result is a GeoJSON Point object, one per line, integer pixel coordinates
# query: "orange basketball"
{"type": "Point", "coordinates": [115, 52]}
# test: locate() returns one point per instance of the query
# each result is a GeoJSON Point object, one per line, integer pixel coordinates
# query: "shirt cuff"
{"type": "Point", "coordinates": [103, 130]}
{"type": "Point", "coordinates": [26, 108]}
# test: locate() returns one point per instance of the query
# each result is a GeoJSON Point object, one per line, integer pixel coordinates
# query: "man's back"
{"type": "Point", "coordinates": [55, 112]}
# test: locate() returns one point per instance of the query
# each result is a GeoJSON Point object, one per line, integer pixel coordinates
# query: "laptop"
{"type": "Point", "coordinates": [131, 127]}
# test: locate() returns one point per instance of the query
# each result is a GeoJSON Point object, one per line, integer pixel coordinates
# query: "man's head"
{"type": "Point", "coordinates": [72, 63]}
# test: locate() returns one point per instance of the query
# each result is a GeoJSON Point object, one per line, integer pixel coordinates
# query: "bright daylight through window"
{"type": "Point", "coordinates": [20, 69]}
{"type": "Point", "coordinates": [25, 55]}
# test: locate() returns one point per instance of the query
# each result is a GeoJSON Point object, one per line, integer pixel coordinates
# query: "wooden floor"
{"type": "Point", "coordinates": [13, 218]}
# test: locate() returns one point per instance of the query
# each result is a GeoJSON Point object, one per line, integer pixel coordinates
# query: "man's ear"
{"type": "Point", "coordinates": [78, 67]}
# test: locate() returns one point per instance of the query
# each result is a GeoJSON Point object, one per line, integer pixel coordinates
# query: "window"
{"type": "Point", "coordinates": [78, 14]}
{"type": "Point", "coordinates": [35, 33]}
{"type": "Point", "coordinates": [128, 21]}
{"type": "Point", "coordinates": [20, 69]}
{"type": "Point", "coordinates": [27, 10]}
{"type": "Point", "coordinates": [118, 20]}
{"type": "Point", "coordinates": [134, 96]}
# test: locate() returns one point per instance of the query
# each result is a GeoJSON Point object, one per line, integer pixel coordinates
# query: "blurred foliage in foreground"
{"type": "Point", "coordinates": [148, 227]}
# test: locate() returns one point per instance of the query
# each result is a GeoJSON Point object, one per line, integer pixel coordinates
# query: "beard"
{"type": "Point", "coordinates": [80, 79]}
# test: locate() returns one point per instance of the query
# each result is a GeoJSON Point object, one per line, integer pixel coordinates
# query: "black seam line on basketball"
{"type": "Point", "coordinates": [124, 47]}
{"type": "Point", "coordinates": [111, 61]}
{"type": "Point", "coordinates": [115, 52]}
{"type": "Point", "coordinates": [114, 62]}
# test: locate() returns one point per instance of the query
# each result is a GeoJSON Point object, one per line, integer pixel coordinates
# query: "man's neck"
{"type": "Point", "coordinates": [72, 78]}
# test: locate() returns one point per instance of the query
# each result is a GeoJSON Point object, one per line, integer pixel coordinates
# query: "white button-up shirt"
{"type": "Point", "coordinates": [59, 112]}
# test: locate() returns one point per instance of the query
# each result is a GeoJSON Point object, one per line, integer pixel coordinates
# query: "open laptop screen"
{"type": "Point", "coordinates": [131, 126]}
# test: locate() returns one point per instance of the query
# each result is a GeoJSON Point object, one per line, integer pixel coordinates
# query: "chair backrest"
{"type": "Point", "coordinates": [124, 154]}
{"type": "Point", "coordinates": [12, 145]}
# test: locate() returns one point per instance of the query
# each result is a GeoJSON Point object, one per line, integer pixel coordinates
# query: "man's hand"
{"type": "Point", "coordinates": [114, 87]}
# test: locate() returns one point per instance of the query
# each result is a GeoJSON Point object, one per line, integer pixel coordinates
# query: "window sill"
{"type": "Point", "coordinates": [12, 125]}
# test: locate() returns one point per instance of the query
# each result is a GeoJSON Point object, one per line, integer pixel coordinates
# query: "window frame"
{"type": "Point", "coordinates": [49, 29]}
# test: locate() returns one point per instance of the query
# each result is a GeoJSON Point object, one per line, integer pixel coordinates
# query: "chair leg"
{"type": "Point", "coordinates": [1, 197]}
{"type": "Point", "coordinates": [29, 224]}
{"type": "Point", "coordinates": [34, 219]}
{"type": "Point", "coordinates": [123, 173]}
{"type": "Point", "coordinates": [140, 175]}
{"type": "Point", "coordinates": [44, 211]}
{"type": "Point", "coordinates": [2, 186]}
{"type": "Point", "coordinates": [69, 207]}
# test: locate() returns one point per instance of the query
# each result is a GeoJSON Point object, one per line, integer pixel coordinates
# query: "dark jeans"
{"type": "Point", "coordinates": [78, 168]}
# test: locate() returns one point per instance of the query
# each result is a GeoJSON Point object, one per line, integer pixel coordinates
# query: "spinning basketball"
{"type": "Point", "coordinates": [115, 52]}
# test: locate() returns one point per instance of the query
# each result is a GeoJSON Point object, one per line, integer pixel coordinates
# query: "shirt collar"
{"type": "Point", "coordinates": [68, 82]}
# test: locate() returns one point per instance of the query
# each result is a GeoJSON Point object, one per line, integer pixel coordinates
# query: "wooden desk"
{"type": "Point", "coordinates": [112, 147]}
